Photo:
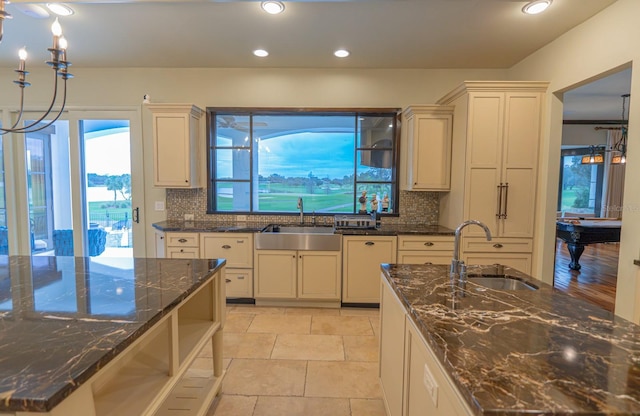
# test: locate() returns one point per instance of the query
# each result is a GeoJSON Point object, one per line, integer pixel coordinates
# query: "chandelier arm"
{"type": "Point", "coordinates": [64, 101]}
{"type": "Point", "coordinates": [25, 129]}
{"type": "Point", "coordinates": [21, 109]}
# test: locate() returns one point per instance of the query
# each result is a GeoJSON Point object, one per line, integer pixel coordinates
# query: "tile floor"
{"type": "Point", "coordinates": [300, 362]}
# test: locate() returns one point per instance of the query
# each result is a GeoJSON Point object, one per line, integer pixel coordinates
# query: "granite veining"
{"type": "Point", "coordinates": [249, 227]}
{"type": "Point", "coordinates": [536, 352]}
{"type": "Point", "coordinates": [64, 318]}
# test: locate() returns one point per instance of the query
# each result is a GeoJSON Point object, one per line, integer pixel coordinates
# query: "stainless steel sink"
{"type": "Point", "coordinates": [298, 237]}
{"type": "Point", "coordinates": [500, 282]}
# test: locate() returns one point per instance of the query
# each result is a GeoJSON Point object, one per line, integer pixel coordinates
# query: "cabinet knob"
{"type": "Point", "coordinates": [182, 240]}
{"type": "Point", "coordinates": [228, 280]}
{"type": "Point", "coordinates": [186, 181]}
{"type": "Point", "coordinates": [162, 238]}
{"type": "Point", "coordinates": [428, 244]}
{"type": "Point", "coordinates": [181, 250]}
{"type": "Point", "coordinates": [497, 245]}
{"type": "Point", "coordinates": [369, 243]}
{"type": "Point", "coordinates": [226, 246]}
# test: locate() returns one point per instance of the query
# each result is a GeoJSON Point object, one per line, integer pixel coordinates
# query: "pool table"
{"type": "Point", "coordinates": [578, 233]}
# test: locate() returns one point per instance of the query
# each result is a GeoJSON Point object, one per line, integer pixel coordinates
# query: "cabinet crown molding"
{"type": "Point", "coordinates": [493, 86]}
{"type": "Point", "coordinates": [427, 109]}
{"type": "Point", "coordinates": [176, 108]}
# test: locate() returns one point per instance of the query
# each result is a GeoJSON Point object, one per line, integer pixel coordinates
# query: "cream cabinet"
{"type": "Point", "coordinates": [291, 274]}
{"type": "Point", "coordinates": [426, 148]}
{"type": "Point", "coordinates": [237, 250]}
{"type": "Point", "coordinates": [425, 249]}
{"type": "Point", "coordinates": [361, 259]}
{"type": "Point", "coordinates": [176, 145]}
{"type": "Point", "coordinates": [181, 245]}
{"type": "Point", "coordinates": [496, 139]}
{"type": "Point", "coordinates": [413, 381]}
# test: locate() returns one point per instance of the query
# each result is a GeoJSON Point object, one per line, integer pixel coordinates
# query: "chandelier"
{"type": "Point", "coordinates": [619, 147]}
{"type": "Point", "coordinates": [58, 63]}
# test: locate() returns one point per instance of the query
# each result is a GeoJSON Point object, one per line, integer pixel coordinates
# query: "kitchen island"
{"type": "Point", "coordinates": [468, 349]}
{"type": "Point", "coordinates": [108, 336]}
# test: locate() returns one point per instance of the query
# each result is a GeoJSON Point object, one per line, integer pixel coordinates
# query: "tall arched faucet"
{"type": "Point", "coordinates": [456, 263]}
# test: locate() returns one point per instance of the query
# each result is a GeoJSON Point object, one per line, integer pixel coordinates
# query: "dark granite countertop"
{"type": "Point", "coordinates": [64, 318]}
{"type": "Point", "coordinates": [523, 352]}
{"type": "Point", "coordinates": [250, 227]}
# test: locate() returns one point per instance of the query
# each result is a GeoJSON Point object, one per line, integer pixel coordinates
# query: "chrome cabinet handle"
{"type": "Point", "coordinates": [182, 240]}
{"type": "Point", "coordinates": [506, 200]}
{"type": "Point", "coordinates": [499, 212]}
{"type": "Point", "coordinates": [369, 243]}
{"type": "Point", "coordinates": [226, 246]}
{"type": "Point", "coordinates": [428, 244]}
{"type": "Point", "coordinates": [497, 245]}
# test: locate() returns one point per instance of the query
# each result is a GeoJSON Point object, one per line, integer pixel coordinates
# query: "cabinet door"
{"type": "Point", "coordinates": [160, 244]}
{"type": "Point", "coordinates": [431, 152]}
{"type": "Point", "coordinates": [391, 367]}
{"type": "Point", "coordinates": [237, 249]}
{"type": "Point", "coordinates": [362, 257]}
{"type": "Point", "coordinates": [275, 274]}
{"type": "Point", "coordinates": [484, 157]}
{"type": "Point", "coordinates": [239, 283]}
{"type": "Point", "coordinates": [519, 162]}
{"type": "Point", "coordinates": [319, 275]}
{"type": "Point", "coordinates": [428, 389]}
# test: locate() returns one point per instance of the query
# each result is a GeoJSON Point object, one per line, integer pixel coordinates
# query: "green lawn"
{"type": "Point", "coordinates": [568, 198]}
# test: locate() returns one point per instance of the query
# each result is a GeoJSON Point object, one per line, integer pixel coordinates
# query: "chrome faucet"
{"type": "Point", "coordinates": [458, 268]}
{"type": "Point", "coordinates": [301, 208]}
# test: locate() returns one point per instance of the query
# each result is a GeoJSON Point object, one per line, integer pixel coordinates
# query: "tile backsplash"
{"type": "Point", "coordinates": [415, 208]}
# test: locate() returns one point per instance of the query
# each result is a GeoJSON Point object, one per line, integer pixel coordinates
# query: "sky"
{"type": "Point", "coordinates": [108, 154]}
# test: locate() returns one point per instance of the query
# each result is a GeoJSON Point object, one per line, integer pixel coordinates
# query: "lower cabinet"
{"type": "Point", "coordinates": [362, 256]}
{"type": "Point", "coordinates": [420, 249]}
{"type": "Point", "coordinates": [413, 381]}
{"type": "Point", "coordinates": [237, 250]}
{"type": "Point", "coordinates": [291, 274]}
{"type": "Point", "coordinates": [512, 252]}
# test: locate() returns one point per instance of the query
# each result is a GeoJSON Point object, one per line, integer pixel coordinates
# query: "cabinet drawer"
{"type": "Point", "coordinates": [425, 242]}
{"type": "Point", "coordinates": [425, 257]}
{"type": "Point", "coordinates": [182, 239]}
{"type": "Point", "coordinates": [239, 283]}
{"type": "Point", "coordinates": [182, 252]}
{"type": "Point", "coordinates": [518, 261]}
{"type": "Point", "coordinates": [498, 245]}
{"type": "Point", "coordinates": [237, 249]}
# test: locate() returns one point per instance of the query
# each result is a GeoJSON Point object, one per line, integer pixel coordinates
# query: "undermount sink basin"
{"type": "Point", "coordinates": [298, 237]}
{"type": "Point", "coordinates": [500, 282]}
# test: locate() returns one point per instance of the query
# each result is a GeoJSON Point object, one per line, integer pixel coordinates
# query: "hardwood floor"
{"type": "Point", "coordinates": [596, 280]}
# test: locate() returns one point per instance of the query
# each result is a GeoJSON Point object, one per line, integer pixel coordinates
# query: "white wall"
{"type": "Point", "coordinates": [605, 43]}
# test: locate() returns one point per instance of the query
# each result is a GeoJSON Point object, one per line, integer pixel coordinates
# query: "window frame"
{"type": "Point", "coordinates": [211, 113]}
{"type": "Point", "coordinates": [581, 151]}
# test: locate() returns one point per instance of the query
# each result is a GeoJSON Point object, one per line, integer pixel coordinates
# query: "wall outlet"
{"type": "Point", "coordinates": [159, 206]}
{"type": "Point", "coordinates": [241, 217]}
{"type": "Point", "coordinates": [189, 217]}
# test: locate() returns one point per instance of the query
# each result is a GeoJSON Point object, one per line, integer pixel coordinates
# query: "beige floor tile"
{"type": "Point", "coordinates": [361, 348]}
{"type": "Point", "coordinates": [360, 312]}
{"type": "Point", "coordinates": [257, 309]}
{"type": "Point", "coordinates": [301, 406]}
{"type": "Point", "coordinates": [375, 324]}
{"type": "Point", "coordinates": [341, 325]}
{"type": "Point", "coordinates": [312, 311]}
{"type": "Point", "coordinates": [308, 347]}
{"type": "Point", "coordinates": [238, 322]}
{"type": "Point", "coordinates": [245, 345]}
{"type": "Point", "coordinates": [367, 407]}
{"type": "Point", "coordinates": [265, 377]}
{"type": "Point", "coordinates": [234, 406]}
{"type": "Point", "coordinates": [348, 379]}
{"type": "Point", "coordinates": [281, 324]}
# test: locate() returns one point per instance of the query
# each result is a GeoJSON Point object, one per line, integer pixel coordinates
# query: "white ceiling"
{"type": "Point", "coordinates": [222, 33]}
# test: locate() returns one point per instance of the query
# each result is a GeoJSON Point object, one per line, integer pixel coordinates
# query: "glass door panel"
{"type": "Point", "coordinates": [106, 157]}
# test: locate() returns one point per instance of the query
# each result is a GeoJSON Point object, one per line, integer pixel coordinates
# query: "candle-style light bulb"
{"type": "Point", "coordinates": [63, 47]}
{"type": "Point", "coordinates": [22, 54]}
{"type": "Point", "coordinates": [56, 29]}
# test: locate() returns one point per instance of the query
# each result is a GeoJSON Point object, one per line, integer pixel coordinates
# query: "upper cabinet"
{"type": "Point", "coordinates": [176, 144]}
{"type": "Point", "coordinates": [426, 148]}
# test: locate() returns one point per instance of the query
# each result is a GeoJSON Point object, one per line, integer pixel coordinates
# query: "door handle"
{"type": "Point", "coordinates": [506, 200]}
{"type": "Point", "coordinates": [499, 212]}
{"type": "Point", "coordinates": [136, 215]}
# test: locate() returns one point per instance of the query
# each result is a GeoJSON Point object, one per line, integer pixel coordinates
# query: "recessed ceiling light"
{"type": "Point", "coordinates": [261, 53]}
{"type": "Point", "coordinates": [536, 7]}
{"type": "Point", "coordinates": [272, 6]}
{"type": "Point", "coordinates": [341, 53]}
{"type": "Point", "coordinates": [60, 9]}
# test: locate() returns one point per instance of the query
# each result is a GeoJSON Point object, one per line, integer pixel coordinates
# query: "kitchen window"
{"type": "Point", "coordinates": [262, 161]}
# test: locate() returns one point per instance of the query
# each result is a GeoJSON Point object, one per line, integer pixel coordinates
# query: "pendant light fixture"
{"type": "Point", "coordinates": [620, 146]}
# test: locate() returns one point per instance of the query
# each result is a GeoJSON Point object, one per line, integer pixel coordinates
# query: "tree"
{"type": "Point", "coordinates": [114, 183]}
